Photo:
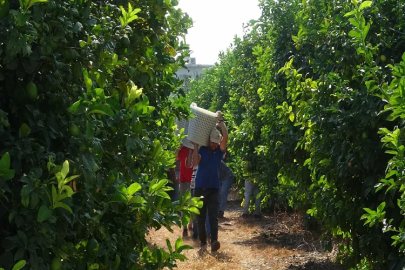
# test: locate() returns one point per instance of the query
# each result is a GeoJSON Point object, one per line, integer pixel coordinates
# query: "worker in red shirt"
{"type": "Point", "coordinates": [185, 173]}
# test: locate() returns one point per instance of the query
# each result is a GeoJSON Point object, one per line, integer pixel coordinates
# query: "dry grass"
{"type": "Point", "coordinates": [267, 243]}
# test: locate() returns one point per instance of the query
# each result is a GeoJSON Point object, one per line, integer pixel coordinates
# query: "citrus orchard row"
{"type": "Point", "coordinates": [313, 96]}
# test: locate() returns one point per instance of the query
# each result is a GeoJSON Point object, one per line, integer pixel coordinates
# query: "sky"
{"type": "Point", "coordinates": [216, 22]}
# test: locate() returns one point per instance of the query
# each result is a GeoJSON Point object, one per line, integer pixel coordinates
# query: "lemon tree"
{"type": "Point", "coordinates": [88, 99]}
{"type": "Point", "coordinates": [313, 95]}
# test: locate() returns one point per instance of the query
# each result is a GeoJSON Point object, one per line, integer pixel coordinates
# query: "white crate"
{"type": "Point", "coordinates": [200, 127]}
{"type": "Point", "coordinates": [183, 123]}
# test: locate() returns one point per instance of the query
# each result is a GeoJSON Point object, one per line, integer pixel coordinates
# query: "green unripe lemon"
{"type": "Point", "coordinates": [24, 130]}
{"type": "Point", "coordinates": [4, 8]}
{"type": "Point", "coordinates": [56, 264]}
{"type": "Point", "coordinates": [124, 41]}
{"type": "Point", "coordinates": [74, 130]}
{"type": "Point", "coordinates": [91, 247]}
{"type": "Point", "coordinates": [31, 91]}
{"type": "Point", "coordinates": [383, 58]}
{"type": "Point", "coordinates": [143, 68]}
{"type": "Point", "coordinates": [154, 40]}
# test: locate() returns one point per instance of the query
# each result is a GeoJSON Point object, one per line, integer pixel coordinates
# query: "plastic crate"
{"type": "Point", "coordinates": [200, 127]}
{"type": "Point", "coordinates": [183, 123]}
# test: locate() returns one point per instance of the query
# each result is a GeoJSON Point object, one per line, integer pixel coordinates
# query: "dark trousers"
{"type": "Point", "coordinates": [210, 202]}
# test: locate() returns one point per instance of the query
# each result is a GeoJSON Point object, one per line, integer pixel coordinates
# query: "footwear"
{"type": "Point", "coordinates": [209, 239]}
{"type": "Point", "coordinates": [257, 215]}
{"type": "Point", "coordinates": [185, 233]}
{"type": "Point", "coordinates": [215, 246]}
{"type": "Point", "coordinates": [195, 236]}
{"type": "Point", "coordinates": [190, 227]}
{"type": "Point", "coordinates": [220, 214]}
{"type": "Point", "coordinates": [203, 248]}
{"type": "Point", "coordinates": [244, 215]}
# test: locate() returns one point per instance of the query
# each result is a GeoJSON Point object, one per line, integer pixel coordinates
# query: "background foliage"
{"type": "Point", "coordinates": [313, 95]}
{"type": "Point", "coordinates": [86, 132]}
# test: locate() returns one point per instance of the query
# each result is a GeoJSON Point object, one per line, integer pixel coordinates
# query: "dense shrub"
{"type": "Point", "coordinates": [88, 99]}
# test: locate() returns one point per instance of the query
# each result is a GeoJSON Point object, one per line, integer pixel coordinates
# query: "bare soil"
{"type": "Point", "coordinates": [276, 241]}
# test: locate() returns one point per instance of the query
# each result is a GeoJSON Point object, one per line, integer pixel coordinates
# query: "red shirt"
{"type": "Point", "coordinates": [185, 173]}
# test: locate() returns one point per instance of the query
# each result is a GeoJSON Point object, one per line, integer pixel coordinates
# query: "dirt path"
{"type": "Point", "coordinates": [250, 243]}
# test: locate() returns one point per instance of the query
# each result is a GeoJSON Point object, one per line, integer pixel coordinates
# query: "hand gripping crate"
{"type": "Point", "coordinates": [200, 127]}
{"type": "Point", "coordinates": [183, 123]}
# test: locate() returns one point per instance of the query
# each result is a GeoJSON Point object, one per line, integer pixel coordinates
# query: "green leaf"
{"type": "Point", "coordinates": [25, 200]}
{"type": "Point", "coordinates": [19, 265]}
{"type": "Point", "coordinates": [179, 243]}
{"type": "Point", "coordinates": [381, 207]}
{"type": "Point", "coordinates": [184, 247]}
{"type": "Point", "coordinates": [134, 188]}
{"type": "Point", "coordinates": [87, 80]}
{"type": "Point", "coordinates": [23, 237]}
{"type": "Point", "coordinates": [164, 194]}
{"type": "Point", "coordinates": [118, 198]}
{"type": "Point", "coordinates": [30, 3]}
{"type": "Point", "coordinates": [354, 22]}
{"type": "Point", "coordinates": [129, 16]}
{"type": "Point", "coordinates": [70, 178]}
{"type": "Point", "coordinates": [349, 13]}
{"type": "Point", "coordinates": [158, 185]}
{"type": "Point", "coordinates": [365, 4]}
{"type": "Point", "coordinates": [368, 210]}
{"type": "Point", "coordinates": [5, 172]}
{"type": "Point", "coordinates": [117, 262]}
{"type": "Point", "coordinates": [69, 192]}
{"type": "Point", "coordinates": [93, 266]}
{"type": "Point", "coordinates": [365, 30]}
{"type": "Point", "coordinates": [291, 117]}
{"type": "Point", "coordinates": [194, 210]}
{"type": "Point", "coordinates": [123, 189]}
{"type": "Point", "coordinates": [11, 216]}
{"type": "Point", "coordinates": [355, 33]}
{"type": "Point", "coordinates": [78, 107]}
{"type": "Point", "coordinates": [169, 245]}
{"type": "Point", "coordinates": [137, 199]}
{"type": "Point", "coordinates": [44, 213]}
{"type": "Point", "coordinates": [65, 169]}
{"type": "Point", "coordinates": [101, 108]}
{"type": "Point", "coordinates": [55, 195]}
{"type": "Point", "coordinates": [5, 162]}
{"type": "Point", "coordinates": [64, 206]}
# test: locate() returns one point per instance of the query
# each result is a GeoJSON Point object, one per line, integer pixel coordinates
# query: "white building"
{"type": "Point", "coordinates": [192, 71]}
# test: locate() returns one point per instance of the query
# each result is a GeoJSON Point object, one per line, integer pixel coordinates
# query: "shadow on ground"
{"type": "Point", "coordinates": [323, 265]}
{"type": "Point", "coordinates": [279, 239]}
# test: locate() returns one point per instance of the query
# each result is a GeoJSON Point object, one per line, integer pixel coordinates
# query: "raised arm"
{"type": "Point", "coordinates": [196, 156]}
{"type": "Point", "coordinates": [224, 130]}
{"type": "Point", "coordinates": [189, 158]}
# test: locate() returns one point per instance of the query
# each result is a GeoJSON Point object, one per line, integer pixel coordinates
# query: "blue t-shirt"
{"type": "Point", "coordinates": [208, 168]}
